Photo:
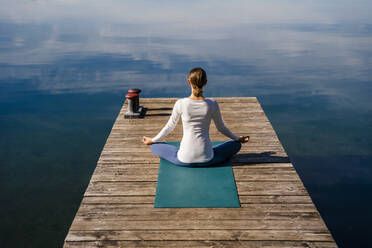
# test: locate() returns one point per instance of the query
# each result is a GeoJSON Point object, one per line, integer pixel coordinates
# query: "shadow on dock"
{"type": "Point", "coordinates": [251, 159]}
{"type": "Point", "coordinates": [158, 109]}
{"type": "Point", "coordinates": [256, 158]}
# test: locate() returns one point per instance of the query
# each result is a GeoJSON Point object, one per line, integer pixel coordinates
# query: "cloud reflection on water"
{"type": "Point", "coordinates": [90, 46]}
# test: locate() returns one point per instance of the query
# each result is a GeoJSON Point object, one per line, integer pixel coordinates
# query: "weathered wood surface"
{"type": "Point", "coordinates": [117, 208]}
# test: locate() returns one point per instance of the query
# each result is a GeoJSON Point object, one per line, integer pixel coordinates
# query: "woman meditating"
{"type": "Point", "coordinates": [196, 112]}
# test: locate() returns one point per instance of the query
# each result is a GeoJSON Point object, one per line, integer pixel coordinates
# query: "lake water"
{"type": "Point", "coordinates": [66, 65]}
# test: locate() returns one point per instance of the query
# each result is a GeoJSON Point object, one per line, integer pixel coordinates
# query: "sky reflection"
{"type": "Point", "coordinates": [113, 45]}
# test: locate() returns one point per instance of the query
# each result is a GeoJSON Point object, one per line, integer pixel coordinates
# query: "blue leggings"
{"type": "Point", "coordinates": [222, 153]}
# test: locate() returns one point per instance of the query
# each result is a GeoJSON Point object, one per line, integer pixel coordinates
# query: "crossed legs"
{"type": "Point", "coordinates": [222, 153]}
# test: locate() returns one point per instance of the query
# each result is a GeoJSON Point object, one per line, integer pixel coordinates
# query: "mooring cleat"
{"type": "Point", "coordinates": [134, 110]}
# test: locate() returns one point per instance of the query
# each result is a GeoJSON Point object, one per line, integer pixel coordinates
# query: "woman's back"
{"type": "Point", "coordinates": [196, 118]}
{"type": "Point", "coordinates": [196, 115]}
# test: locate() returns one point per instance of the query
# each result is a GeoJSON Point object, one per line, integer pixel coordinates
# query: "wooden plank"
{"type": "Point", "coordinates": [148, 188]}
{"type": "Point", "coordinates": [132, 212]}
{"type": "Point", "coordinates": [122, 156]}
{"type": "Point", "coordinates": [151, 174]}
{"type": "Point", "coordinates": [201, 244]}
{"type": "Point", "coordinates": [235, 161]}
{"type": "Point", "coordinates": [256, 137]}
{"type": "Point", "coordinates": [203, 224]}
{"type": "Point", "coordinates": [268, 205]}
{"type": "Point", "coordinates": [126, 164]}
{"type": "Point", "coordinates": [145, 149]}
{"type": "Point", "coordinates": [233, 235]}
{"type": "Point", "coordinates": [282, 201]}
{"type": "Point", "coordinates": [169, 100]}
{"type": "Point", "coordinates": [136, 143]}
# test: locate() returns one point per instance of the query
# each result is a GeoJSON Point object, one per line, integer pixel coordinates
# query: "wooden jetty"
{"type": "Point", "coordinates": [117, 207]}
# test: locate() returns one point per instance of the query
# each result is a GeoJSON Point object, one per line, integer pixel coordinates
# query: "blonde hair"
{"type": "Point", "coordinates": [198, 79]}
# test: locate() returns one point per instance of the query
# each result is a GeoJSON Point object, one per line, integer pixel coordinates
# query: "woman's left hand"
{"type": "Point", "coordinates": [147, 140]}
{"type": "Point", "coordinates": [243, 139]}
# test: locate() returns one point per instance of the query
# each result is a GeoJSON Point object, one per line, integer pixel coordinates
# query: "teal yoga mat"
{"type": "Point", "coordinates": [195, 187]}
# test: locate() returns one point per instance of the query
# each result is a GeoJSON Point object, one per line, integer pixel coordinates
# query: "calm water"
{"type": "Point", "coordinates": [65, 66]}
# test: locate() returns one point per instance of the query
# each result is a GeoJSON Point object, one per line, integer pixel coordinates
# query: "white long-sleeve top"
{"type": "Point", "coordinates": [196, 146]}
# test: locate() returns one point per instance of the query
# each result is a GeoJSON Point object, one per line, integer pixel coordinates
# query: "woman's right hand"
{"type": "Point", "coordinates": [147, 140]}
{"type": "Point", "coordinates": [243, 139]}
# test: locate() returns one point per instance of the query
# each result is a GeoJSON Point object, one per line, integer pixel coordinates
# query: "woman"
{"type": "Point", "coordinates": [196, 112]}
